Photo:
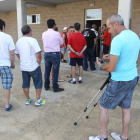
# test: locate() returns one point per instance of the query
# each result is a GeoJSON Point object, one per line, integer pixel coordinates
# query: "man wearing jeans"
{"type": "Point", "coordinates": [6, 62]}
{"type": "Point", "coordinates": [52, 41]}
{"type": "Point", "coordinates": [125, 48]}
{"type": "Point", "coordinates": [29, 53]}
{"type": "Point", "coordinates": [89, 52]}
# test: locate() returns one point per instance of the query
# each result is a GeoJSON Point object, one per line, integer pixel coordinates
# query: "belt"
{"type": "Point", "coordinates": [52, 52]}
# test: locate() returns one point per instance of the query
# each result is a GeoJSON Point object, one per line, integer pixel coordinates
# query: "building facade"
{"type": "Point", "coordinates": [67, 14]}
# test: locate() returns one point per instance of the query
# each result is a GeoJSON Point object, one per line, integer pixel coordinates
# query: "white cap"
{"type": "Point", "coordinates": [65, 28]}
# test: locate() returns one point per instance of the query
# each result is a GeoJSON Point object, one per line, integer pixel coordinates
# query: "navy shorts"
{"type": "Point", "coordinates": [36, 76]}
{"type": "Point", "coordinates": [79, 61]}
{"type": "Point", "coordinates": [118, 93]}
{"type": "Point", "coordinates": [106, 49]}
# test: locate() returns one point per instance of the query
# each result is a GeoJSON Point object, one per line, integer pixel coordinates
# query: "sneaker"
{"type": "Point", "coordinates": [40, 102]}
{"type": "Point", "coordinates": [27, 102]}
{"type": "Point", "coordinates": [117, 136]}
{"type": "Point", "coordinates": [72, 82]}
{"type": "Point", "coordinates": [9, 108]}
{"type": "Point", "coordinates": [80, 81]}
{"type": "Point", "coordinates": [99, 137]}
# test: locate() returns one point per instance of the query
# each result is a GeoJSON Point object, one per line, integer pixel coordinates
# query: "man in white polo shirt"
{"type": "Point", "coordinates": [6, 62]}
{"type": "Point", "coordinates": [29, 53]}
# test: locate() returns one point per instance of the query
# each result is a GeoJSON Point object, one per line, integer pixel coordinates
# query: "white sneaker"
{"type": "Point", "coordinates": [97, 138]}
{"type": "Point", "coordinates": [40, 102]}
{"type": "Point", "coordinates": [116, 136]}
{"type": "Point", "coordinates": [27, 102]}
{"type": "Point", "coordinates": [94, 138]}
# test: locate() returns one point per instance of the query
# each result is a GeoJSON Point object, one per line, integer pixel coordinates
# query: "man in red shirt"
{"type": "Point", "coordinates": [107, 40]}
{"type": "Point", "coordinates": [64, 46]}
{"type": "Point", "coordinates": [77, 45]}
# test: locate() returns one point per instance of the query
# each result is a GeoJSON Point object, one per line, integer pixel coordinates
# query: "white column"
{"type": "Point", "coordinates": [125, 10]}
{"type": "Point", "coordinates": [21, 16]}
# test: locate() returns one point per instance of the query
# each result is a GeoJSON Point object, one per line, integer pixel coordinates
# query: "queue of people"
{"type": "Point", "coordinates": [81, 46]}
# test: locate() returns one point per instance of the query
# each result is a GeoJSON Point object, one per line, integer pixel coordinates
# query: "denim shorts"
{"type": "Point", "coordinates": [6, 77]}
{"type": "Point", "coordinates": [36, 76]}
{"type": "Point", "coordinates": [64, 49]}
{"type": "Point", "coordinates": [118, 93]}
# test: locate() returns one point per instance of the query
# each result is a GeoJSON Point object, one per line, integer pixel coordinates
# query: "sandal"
{"type": "Point", "coordinates": [61, 80]}
{"type": "Point", "coordinates": [77, 74]}
{"type": "Point", "coordinates": [69, 76]}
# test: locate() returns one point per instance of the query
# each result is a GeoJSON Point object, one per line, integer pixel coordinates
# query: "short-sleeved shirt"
{"type": "Point", "coordinates": [96, 33]}
{"type": "Point", "coordinates": [6, 45]}
{"type": "Point", "coordinates": [90, 36]}
{"type": "Point", "coordinates": [126, 45]}
{"type": "Point", "coordinates": [27, 48]}
{"type": "Point", "coordinates": [66, 39]}
{"type": "Point", "coordinates": [77, 41]}
{"type": "Point", "coordinates": [107, 37]}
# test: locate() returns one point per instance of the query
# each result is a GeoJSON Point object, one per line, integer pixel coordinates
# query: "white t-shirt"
{"type": "Point", "coordinates": [27, 48]}
{"type": "Point", "coordinates": [6, 45]}
{"type": "Point", "coordinates": [96, 33]}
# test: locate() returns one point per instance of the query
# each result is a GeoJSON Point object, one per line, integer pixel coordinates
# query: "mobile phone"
{"type": "Point", "coordinates": [100, 60]}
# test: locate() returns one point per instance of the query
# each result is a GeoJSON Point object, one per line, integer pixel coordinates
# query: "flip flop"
{"type": "Point", "coordinates": [61, 80]}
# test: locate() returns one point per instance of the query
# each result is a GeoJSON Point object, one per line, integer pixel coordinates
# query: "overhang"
{"type": "Point", "coordinates": [10, 5]}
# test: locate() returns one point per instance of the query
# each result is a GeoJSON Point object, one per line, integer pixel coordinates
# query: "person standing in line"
{"type": "Point", "coordinates": [124, 76]}
{"type": "Point", "coordinates": [89, 52]}
{"type": "Point", "coordinates": [7, 58]}
{"type": "Point", "coordinates": [52, 41]}
{"type": "Point", "coordinates": [107, 40]}
{"type": "Point", "coordinates": [59, 79]}
{"type": "Point", "coordinates": [29, 53]}
{"type": "Point", "coordinates": [77, 45]}
{"type": "Point", "coordinates": [64, 46]}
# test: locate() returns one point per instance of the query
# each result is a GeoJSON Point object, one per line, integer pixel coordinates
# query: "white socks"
{"type": "Point", "coordinates": [73, 79]}
{"type": "Point", "coordinates": [80, 78]}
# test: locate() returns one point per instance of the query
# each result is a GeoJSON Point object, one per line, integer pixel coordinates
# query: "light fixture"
{"type": "Point", "coordinates": [92, 3]}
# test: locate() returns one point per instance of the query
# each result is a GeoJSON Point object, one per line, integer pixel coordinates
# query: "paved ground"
{"type": "Point", "coordinates": [54, 120]}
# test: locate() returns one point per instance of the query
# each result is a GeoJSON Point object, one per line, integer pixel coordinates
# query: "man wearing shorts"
{"type": "Point", "coordinates": [29, 53]}
{"type": "Point", "coordinates": [107, 40]}
{"type": "Point", "coordinates": [124, 76]}
{"type": "Point", "coordinates": [64, 46]}
{"type": "Point", "coordinates": [77, 45]}
{"type": "Point", "coordinates": [6, 62]}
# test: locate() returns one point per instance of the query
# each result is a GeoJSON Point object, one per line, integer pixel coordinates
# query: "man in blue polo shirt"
{"type": "Point", "coordinates": [125, 48]}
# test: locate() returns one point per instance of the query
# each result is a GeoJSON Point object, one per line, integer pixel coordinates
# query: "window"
{"type": "Point", "coordinates": [94, 14]}
{"type": "Point", "coordinates": [33, 19]}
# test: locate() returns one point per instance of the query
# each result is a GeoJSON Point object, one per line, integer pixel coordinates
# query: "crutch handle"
{"type": "Point", "coordinates": [106, 82]}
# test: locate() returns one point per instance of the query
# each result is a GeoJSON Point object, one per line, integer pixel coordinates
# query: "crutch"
{"type": "Point", "coordinates": [106, 82]}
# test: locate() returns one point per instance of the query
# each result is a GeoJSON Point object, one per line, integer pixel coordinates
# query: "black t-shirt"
{"type": "Point", "coordinates": [90, 36]}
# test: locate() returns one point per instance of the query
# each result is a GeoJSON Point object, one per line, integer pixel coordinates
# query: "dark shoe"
{"type": "Point", "coordinates": [9, 108]}
{"type": "Point", "coordinates": [93, 69]}
{"type": "Point", "coordinates": [64, 61]}
{"type": "Point", "coordinates": [47, 88]}
{"type": "Point", "coordinates": [84, 69]}
{"type": "Point", "coordinates": [72, 82]}
{"type": "Point", "coordinates": [80, 81]}
{"type": "Point", "coordinates": [59, 90]}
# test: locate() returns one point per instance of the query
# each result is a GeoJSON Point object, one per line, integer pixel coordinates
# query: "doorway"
{"type": "Point", "coordinates": [97, 22]}
{"type": "Point", "coordinates": [93, 16]}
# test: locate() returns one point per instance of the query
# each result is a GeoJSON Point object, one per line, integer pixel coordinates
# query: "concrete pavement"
{"type": "Point", "coordinates": [54, 120]}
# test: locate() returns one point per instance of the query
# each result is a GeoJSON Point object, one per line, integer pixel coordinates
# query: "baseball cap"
{"type": "Point", "coordinates": [65, 28]}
